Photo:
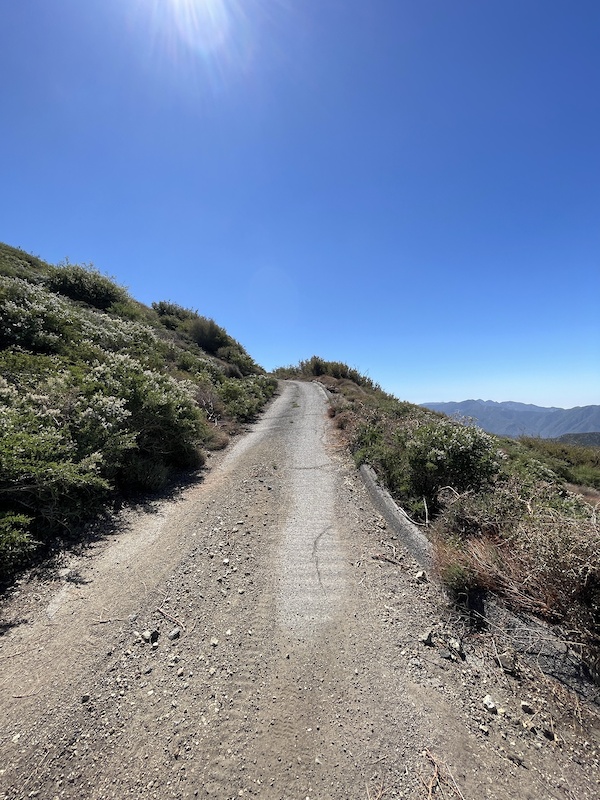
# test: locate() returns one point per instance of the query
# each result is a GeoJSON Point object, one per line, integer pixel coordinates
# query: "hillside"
{"type": "Point", "coordinates": [520, 419]}
{"type": "Point", "coordinates": [102, 397]}
{"type": "Point", "coordinates": [501, 514]}
{"type": "Point", "coordinates": [585, 439]}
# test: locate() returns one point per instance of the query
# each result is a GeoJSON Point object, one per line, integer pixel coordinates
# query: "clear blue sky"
{"type": "Point", "coordinates": [410, 186]}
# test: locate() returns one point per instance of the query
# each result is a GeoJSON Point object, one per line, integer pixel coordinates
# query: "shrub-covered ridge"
{"type": "Point", "coordinates": [101, 396]}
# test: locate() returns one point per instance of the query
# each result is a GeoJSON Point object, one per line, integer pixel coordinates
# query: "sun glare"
{"type": "Point", "coordinates": [207, 41]}
{"type": "Point", "coordinates": [205, 25]}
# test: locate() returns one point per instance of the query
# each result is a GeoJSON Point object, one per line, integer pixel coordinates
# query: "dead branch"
{"type": "Point", "coordinates": [378, 760]}
{"type": "Point", "coordinates": [500, 665]}
{"type": "Point", "coordinates": [441, 773]}
{"type": "Point", "coordinates": [172, 619]}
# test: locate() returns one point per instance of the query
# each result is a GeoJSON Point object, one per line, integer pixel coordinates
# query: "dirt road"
{"type": "Point", "coordinates": [260, 636]}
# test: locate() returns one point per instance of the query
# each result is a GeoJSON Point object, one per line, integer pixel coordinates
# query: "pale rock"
{"type": "Point", "coordinates": [489, 704]}
{"type": "Point", "coordinates": [454, 644]}
{"type": "Point", "coordinates": [507, 661]}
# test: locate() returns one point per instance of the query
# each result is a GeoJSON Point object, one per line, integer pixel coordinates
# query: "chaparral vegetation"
{"type": "Point", "coordinates": [102, 397]}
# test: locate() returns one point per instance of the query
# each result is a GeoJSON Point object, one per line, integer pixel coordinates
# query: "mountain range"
{"type": "Point", "coordinates": [522, 419]}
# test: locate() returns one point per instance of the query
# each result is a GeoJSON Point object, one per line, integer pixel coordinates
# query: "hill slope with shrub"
{"type": "Point", "coordinates": [101, 396]}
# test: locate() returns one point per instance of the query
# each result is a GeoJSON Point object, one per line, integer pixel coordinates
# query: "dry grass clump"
{"type": "Point", "coordinates": [537, 550]}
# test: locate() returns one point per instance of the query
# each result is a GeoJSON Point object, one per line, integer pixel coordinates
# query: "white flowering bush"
{"type": "Point", "coordinates": [70, 436]}
{"type": "Point", "coordinates": [39, 320]}
{"type": "Point", "coordinates": [34, 318]}
{"type": "Point", "coordinates": [444, 453]}
{"type": "Point", "coordinates": [243, 399]}
{"type": "Point", "coordinates": [162, 415]}
{"type": "Point", "coordinates": [44, 478]}
{"type": "Point", "coordinates": [417, 454]}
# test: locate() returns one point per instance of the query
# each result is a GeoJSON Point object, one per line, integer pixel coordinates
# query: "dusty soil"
{"type": "Point", "coordinates": [260, 635]}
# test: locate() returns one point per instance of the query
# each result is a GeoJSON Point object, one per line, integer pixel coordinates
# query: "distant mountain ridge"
{"type": "Point", "coordinates": [522, 419]}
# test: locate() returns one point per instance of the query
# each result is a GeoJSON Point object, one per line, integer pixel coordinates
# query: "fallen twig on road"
{"type": "Point", "coordinates": [379, 791]}
{"type": "Point", "coordinates": [441, 777]}
{"type": "Point", "coordinates": [21, 652]}
{"type": "Point", "coordinates": [378, 760]}
{"type": "Point", "coordinates": [172, 619]}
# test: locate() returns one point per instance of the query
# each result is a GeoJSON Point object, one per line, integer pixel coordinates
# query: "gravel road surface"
{"type": "Point", "coordinates": [260, 635]}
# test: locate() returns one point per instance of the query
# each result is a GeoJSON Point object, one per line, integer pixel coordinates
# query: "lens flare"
{"type": "Point", "coordinates": [204, 25]}
{"type": "Point", "coordinates": [205, 40]}
{"type": "Point", "coordinates": [206, 44]}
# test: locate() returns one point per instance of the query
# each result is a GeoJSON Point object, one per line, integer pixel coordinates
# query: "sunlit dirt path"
{"type": "Point", "coordinates": [246, 640]}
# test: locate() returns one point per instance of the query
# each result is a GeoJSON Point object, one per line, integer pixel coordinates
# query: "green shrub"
{"type": "Point", "coordinates": [416, 455]}
{"type": "Point", "coordinates": [585, 475]}
{"type": "Point", "coordinates": [576, 463]}
{"type": "Point", "coordinates": [188, 362]}
{"type": "Point", "coordinates": [129, 309]}
{"type": "Point", "coordinates": [236, 357]}
{"type": "Point", "coordinates": [143, 474]}
{"type": "Point", "coordinates": [86, 284]}
{"type": "Point", "coordinates": [16, 542]}
{"type": "Point", "coordinates": [243, 399]}
{"type": "Point", "coordinates": [443, 453]}
{"type": "Point", "coordinates": [168, 310]}
{"type": "Point", "coordinates": [67, 441]}
{"type": "Point", "coordinates": [16, 263]}
{"type": "Point", "coordinates": [41, 470]}
{"type": "Point", "coordinates": [34, 318]}
{"type": "Point", "coordinates": [316, 367]}
{"type": "Point", "coordinates": [216, 341]}
{"type": "Point", "coordinates": [208, 335]}
{"type": "Point", "coordinates": [162, 415]}
{"type": "Point", "coordinates": [173, 316]}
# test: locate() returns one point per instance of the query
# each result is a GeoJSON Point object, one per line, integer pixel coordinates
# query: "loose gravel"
{"type": "Point", "coordinates": [265, 634]}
